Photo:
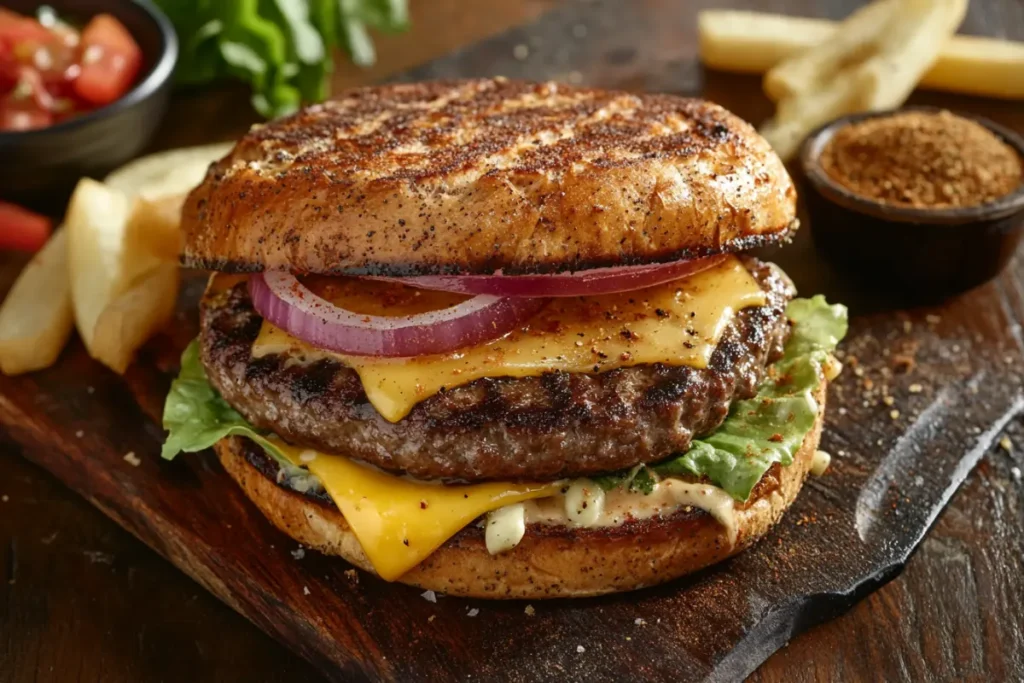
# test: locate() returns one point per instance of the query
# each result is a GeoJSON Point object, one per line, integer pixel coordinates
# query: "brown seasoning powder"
{"type": "Point", "coordinates": [923, 159]}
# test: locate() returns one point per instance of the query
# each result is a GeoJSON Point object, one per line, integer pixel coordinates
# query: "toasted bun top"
{"type": "Point", "coordinates": [476, 176]}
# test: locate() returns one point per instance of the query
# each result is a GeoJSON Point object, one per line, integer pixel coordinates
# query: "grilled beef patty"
{"type": "Point", "coordinates": [555, 425]}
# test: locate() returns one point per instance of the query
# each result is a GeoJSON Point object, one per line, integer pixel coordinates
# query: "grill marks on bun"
{"type": "Point", "coordinates": [473, 176]}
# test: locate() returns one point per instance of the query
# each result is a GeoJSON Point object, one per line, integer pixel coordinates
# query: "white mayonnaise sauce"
{"type": "Point", "coordinates": [505, 527]}
{"type": "Point", "coordinates": [584, 504]}
{"type": "Point", "coordinates": [820, 462]}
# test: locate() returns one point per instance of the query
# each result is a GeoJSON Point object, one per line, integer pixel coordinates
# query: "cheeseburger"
{"type": "Point", "coordinates": [502, 339]}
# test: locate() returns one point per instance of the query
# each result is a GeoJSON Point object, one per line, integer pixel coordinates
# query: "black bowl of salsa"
{"type": "Point", "coordinates": [86, 134]}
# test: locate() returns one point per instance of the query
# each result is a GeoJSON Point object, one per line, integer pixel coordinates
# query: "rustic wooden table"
{"type": "Point", "coordinates": [83, 600]}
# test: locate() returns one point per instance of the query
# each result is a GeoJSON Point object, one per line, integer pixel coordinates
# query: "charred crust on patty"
{"type": "Point", "coordinates": [545, 427]}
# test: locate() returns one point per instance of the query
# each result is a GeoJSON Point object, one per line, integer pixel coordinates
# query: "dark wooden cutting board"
{"type": "Point", "coordinates": [953, 372]}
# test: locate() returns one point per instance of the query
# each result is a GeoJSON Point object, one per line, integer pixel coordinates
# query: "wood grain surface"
{"type": "Point", "coordinates": [83, 600]}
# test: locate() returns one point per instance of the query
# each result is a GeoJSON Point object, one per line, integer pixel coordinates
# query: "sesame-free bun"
{"type": "Point", "coordinates": [550, 561]}
{"type": "Point", "coordinates": [476, 176]}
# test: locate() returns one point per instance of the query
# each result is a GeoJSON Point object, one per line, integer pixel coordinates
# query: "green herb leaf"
{"type": "Point", "coordinates": [306, 41]}
{"type": "Point", "coordinates": [282, 48]}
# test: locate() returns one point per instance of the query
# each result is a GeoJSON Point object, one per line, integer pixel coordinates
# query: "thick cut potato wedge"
{"type": "Point", "coordinates": [155, 225]}
{"type": "Point", "coordinates": [102, 263]}
{"type": "Point", "coordinates": [174, 172]}
{"type": "Point", "coordinates": [754, 42]}
{"type": "Point", "coordinates": [36, 317]}
{"type": "Point", "coordinates": [134, 316]}
{"type": "Point", "coordinates": [158, 185]}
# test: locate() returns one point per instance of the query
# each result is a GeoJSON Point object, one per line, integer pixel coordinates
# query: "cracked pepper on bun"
{"type": "Point", "coordinates": [502, 339]}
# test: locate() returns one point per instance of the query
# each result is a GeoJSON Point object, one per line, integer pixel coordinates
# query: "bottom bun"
{"type": "Point", "coordinates": [550, 561]}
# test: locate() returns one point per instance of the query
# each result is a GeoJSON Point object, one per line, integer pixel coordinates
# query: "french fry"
{"type": "Point", "coordinates": [907, 49]}
{"type": "Point", "coordinates": [132, 318]}
{"type": "Point", "coordinates": [101, 262]}
{"type": "Point", "coordinates": [800, 114]}
{"type": "Point", "coordinates": [36, 317]}
{"type": "Point", "coordinates": [854, 42]}
{"type": "Point", "coordinates": [173, 172]}
{"type": "Point", "coordinates": [858, 71]}
{"type": "Point", "coordinates": [155, 225]}
{"type": "Point", "coordinates": [754, 42]}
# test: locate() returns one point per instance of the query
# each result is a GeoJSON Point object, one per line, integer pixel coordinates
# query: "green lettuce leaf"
{"type": "Point", "coordinates": [196, 417]}
{"type": "Point", "coordinates": [770, 427]}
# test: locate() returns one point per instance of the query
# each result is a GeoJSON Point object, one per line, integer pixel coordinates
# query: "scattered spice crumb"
{"type": "Point", "coordinates": [580, 649]}
{"type": "Point", "coordinates": [431, 618]}
{"type": "Point", "coordinates": [915, 388]}
{"type": "Point", "coordinates": [933, 319]}
{"type": "Point", "coordinates": [299, 553]}
{"type": "Point", "coordinates": [521, 51]}
{"type": "Point", "coordinates": [132, 459]}
{"type": "Point", "coordinates": [530, 611]}
{"type": "Point", "coordinates": [305, 590]}
{"type": "Point", "coordinates": [858, 371]}
{"type": "Point", "coordinates": [888, 400]}
{"type": "Point", "coordinates": [91, 390]}
{"type": "Point", "coordinates": [352, 575]}
{"type": "Point", "coordinates": [1006, 444]}
{"type": "Point", "coordinates": [429, 596]}
{"type": "Point", "coordinates": [473, 612]}
{"type": "Point", "coordinates": [639, 622]}
{"type": "Point", "coordinates": [894, 414]}
{"type": "Point", "coordinates": [4, 498]}
{"type": "Point", "coordinates": [79, 434]}
{"type": "Point", "coordinates": [902, 363]}
{"type": "Point", "coordinates": [908, 326]}
{"type": "Point", "coordinates": [1015, 471]}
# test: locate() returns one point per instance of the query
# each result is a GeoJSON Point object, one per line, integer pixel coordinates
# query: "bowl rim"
{"type": "Point", "coordinates": [830, 189]}
{"type": "Point", "coordinates": [159, 74]}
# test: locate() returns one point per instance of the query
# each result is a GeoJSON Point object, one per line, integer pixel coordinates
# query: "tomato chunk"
{"type": "Point", "coordinates": [15, 28]}
{"type": "Point", "coordinates": [111, 59]}
{"type": "Point", "coordinates": [21, 229]}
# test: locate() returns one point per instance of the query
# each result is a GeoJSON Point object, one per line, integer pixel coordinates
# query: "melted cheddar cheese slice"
{"type": "Point", "coordinates": [399, 522]}
{"type": "Point", "coordinates": [677, 323]}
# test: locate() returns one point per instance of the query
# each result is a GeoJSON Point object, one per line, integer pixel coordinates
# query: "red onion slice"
{"type": "Point", "coordinates": [580, 283]}
{"type": "Point", "coordinates": [290, 305]}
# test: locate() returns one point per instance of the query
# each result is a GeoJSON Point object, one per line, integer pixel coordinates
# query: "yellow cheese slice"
{"type": "Point", "coordinates": [400, 521]}
{"type": "Point", "coordinates": [677, 323]}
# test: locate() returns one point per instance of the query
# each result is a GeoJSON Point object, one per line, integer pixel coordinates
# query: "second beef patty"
{"type": "Point", "coordinates": [536, 428]}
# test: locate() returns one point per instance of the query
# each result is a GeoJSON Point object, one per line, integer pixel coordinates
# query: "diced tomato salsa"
{"type": "Point", "coordinates": [50, 71]}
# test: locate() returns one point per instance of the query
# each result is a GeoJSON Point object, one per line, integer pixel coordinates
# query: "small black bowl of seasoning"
{"type": "Point", "coordinates": [918, 201]}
